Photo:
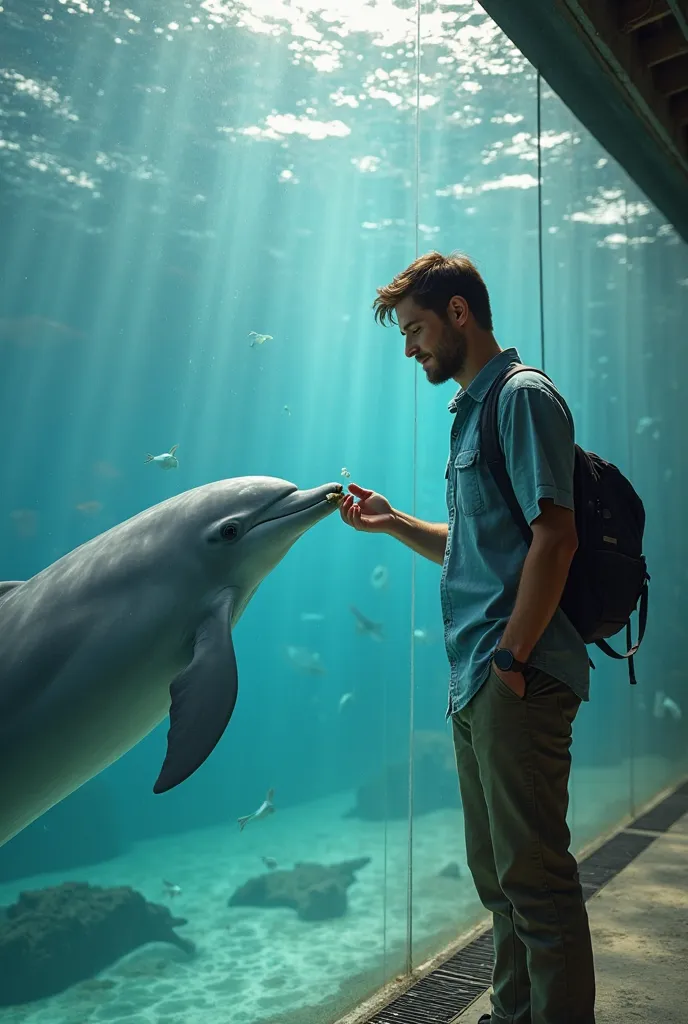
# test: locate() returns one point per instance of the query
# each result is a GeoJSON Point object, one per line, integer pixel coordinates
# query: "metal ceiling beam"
{"type": "Point", "coordinates": [679, 9]}
{"type": "Point", "coordinates": [672, 77]}
{"type": "Point", "coordinates": [596, 69]}
{"type": "Point", "coordinates": [665, 45]}
{"type": "Point", "coordinates": [635, 14]}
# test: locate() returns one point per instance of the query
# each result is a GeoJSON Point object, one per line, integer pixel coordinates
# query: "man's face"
{"type": "Point", "coordinates": [435, 342]}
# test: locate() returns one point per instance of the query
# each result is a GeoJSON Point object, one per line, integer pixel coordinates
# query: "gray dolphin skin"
{"type": "Point", "coordinates": [99, 646]}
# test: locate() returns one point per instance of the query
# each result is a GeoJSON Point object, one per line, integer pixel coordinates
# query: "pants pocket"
{"type": "Point", "coordinates": [505, 690]}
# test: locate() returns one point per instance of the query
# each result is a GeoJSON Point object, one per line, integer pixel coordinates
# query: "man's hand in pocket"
{"type": "Point", "coordinates": [516, 681]}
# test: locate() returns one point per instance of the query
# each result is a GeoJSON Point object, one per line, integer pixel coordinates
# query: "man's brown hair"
{"type": "Point", "coordinates": [431, 281]}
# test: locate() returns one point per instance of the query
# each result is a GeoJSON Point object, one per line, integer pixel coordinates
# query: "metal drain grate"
{"type": "Point", "coordinates": [664, 815]}
{"type": "Point", "coordinates": [609, 859]}
{"type": "Point", "coordinates": [441, 995]}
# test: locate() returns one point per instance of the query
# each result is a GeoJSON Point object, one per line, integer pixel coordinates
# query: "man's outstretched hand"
{"type": "Point", "coordinates": [372, 513]}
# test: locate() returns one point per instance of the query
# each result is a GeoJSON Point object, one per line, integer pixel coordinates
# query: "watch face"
{"type": "Point", "coordinates": [503, 659]}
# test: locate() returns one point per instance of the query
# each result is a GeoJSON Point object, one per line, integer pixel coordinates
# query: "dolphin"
{"type": "Point", "coordinates": [98, 647]}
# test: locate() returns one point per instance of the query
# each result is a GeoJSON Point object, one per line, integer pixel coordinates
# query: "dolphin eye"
{"type": "Point", "coordinates": [229, 531]}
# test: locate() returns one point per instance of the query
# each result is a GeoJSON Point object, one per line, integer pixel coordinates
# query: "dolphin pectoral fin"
{"type": "Point", "coordinates": [203, 698]}
{"type": "Point", "coordinates": [7, 586]}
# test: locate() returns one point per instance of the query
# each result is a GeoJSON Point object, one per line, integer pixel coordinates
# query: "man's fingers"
{"type": "Point", "coordinates": [351, 513]}
{"type": "Point", "coordinates": [360, 492]}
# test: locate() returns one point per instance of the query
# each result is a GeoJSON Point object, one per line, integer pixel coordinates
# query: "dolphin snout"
{"type": "Point", "coordinates": [315, 500]}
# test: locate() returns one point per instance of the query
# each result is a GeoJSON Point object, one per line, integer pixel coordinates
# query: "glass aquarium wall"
{"type": "Point", "coordinates": [196, 208]}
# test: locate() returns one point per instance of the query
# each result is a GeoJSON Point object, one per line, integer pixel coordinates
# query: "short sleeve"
{"type": "Point", "coordinates": [537, 435]}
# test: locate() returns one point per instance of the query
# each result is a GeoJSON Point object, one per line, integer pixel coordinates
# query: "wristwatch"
{"type": "Point", "coordinates": [505, 661]}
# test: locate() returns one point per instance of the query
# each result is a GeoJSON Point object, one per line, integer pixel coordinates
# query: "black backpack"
{"type": "Point", "coordinates": [608, 574]}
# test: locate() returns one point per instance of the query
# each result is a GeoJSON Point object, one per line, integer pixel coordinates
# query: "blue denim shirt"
{"type": "Point", "coordinates": [485, 550]}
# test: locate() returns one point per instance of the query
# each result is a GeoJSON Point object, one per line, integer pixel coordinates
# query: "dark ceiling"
{"type": "Point", "coordinates": [622, 68]}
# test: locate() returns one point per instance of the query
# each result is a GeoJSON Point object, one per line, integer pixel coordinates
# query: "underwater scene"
{"type": "Point", "coordinates": [198, 199]}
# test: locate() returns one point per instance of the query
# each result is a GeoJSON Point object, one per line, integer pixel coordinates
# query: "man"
{"type": "Point", "coordinates": [519, 669]}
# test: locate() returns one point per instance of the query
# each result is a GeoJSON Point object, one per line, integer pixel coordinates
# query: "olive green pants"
{"type": "Point", "coordinates": [514, 761]}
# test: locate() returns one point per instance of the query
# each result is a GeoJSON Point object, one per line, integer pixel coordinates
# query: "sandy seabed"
{"type": "Point", "coordinates": [253, 964]}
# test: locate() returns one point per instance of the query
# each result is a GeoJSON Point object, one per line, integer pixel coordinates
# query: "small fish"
{"type": "Point", "coordinates": [673, 708]}
{"type": "Point", "coordinates": [364, 625]}
{"type": "Point", "coordinates": [167, 460]}
{"type": "Point", "coordinates": [258, 339]}
{"type": "Point", "coordinates": [312, 617]}
{"type": "Point", "coordinates": [643, 423]}
{"type": "Point", "coordinates": [306, 661]}
{"type": "Point", "coordinates": [335, 497]}
{"type": "Point", "coordinates": [171, 889]}
{"type": "Point", "coordinates": [422, 635]}
{"type": "Point", "coordinates": [344, 700]}
{"type": "Point", "coordinates": [287, 410]}
{"type": "Point", "coordinates": [379, 577]}
{"type": "Point", "coordinates": [269, 862]}
{"type": "Point", "coordinates": [663, 703]}
{"type": "Point", "coordinates": [263, 811]}
{"type": "Point", "coordinates": [89, 508]}
{"type": "Point", "coordinates": [345, 472]}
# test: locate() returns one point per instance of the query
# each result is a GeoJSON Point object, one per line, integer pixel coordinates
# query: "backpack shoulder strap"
{"type": "Point", "coordinates": [491, 448]}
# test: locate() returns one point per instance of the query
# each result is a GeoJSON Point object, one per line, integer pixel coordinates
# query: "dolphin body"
{"type": "Point", "coordinates": [99, 646]}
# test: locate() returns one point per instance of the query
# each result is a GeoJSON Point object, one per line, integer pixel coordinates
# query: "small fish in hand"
{"type": "Point", "coordinates": [263, 811]}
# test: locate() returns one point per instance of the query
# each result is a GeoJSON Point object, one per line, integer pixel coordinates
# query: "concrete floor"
{"type": "Point", "coordinates": [639, 924]}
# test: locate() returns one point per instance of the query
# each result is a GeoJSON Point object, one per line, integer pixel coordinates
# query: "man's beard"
{"type": "Point", "coordinates": [449, 357]}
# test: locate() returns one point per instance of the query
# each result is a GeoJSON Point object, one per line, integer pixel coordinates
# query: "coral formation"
{"type": "Point", "coordinates": [435, 783]}
{"type": "Point", "coordinates": [317, 892]}
{"type": "Point", "coordinates": [53, 938]}
{"type": "Point", "coordinates": [451, 870]}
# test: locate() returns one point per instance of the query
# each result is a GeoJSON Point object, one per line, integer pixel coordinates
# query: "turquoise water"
{"type": "Point", "coordinates": [171, 185]}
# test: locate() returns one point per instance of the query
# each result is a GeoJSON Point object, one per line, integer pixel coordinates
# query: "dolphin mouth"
{"type": "Point", "coordinates": [324, 499]}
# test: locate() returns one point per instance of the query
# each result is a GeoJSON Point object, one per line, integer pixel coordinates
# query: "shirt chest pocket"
{"type": "Point", "coordinates": [467, 482]}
